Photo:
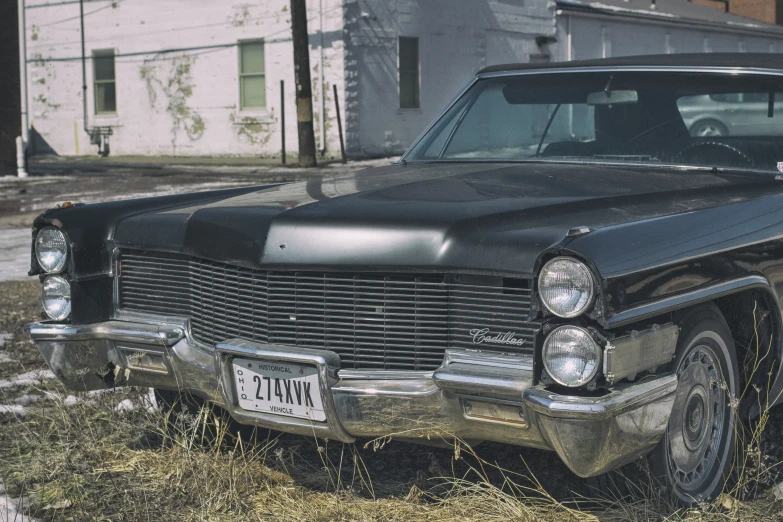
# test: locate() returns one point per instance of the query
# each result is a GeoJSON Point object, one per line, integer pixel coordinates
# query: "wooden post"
{"type": "Point", "coordinates": [339, 123]}
{"type": "Point", "coordinates": [304, 90]}
{"type": "Point", "coordinates": [282, 118]}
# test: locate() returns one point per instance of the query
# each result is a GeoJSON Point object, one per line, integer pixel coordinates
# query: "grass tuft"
{"type": "Point", "coordinates": [85, 459]}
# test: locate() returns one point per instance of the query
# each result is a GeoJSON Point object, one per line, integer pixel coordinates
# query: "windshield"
{"type": "Point", "coordinates": [700, 119]}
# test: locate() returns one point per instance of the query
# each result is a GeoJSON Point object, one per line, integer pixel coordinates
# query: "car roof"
{"type": "Point", "coordinates": [722, 60]}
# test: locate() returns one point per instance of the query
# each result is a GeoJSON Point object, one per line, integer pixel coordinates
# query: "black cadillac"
{"type": "Point", "coordinates": [556, 262]}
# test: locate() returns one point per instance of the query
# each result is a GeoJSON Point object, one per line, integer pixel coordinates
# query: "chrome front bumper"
{"type": "Point", "coordinates": [474, 396]}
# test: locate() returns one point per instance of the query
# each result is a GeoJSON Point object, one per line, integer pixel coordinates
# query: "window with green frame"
{"type": "Point", "coordinates": [252, 76]}
{"type": "Point", "coordinates": [104, 81]}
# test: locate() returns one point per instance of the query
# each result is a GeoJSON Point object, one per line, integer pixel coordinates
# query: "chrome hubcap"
{"type": "Point", "coordinates": [708, 130]}
{"type": "Point", "coordinates": [697, 422]}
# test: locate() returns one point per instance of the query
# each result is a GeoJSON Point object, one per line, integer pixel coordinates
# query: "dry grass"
{"type": "Point", "coordinates": [90, 461]}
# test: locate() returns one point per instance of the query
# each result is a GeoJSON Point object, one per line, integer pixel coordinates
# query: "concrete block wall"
{"type": "Point", "coordinates": [456, 38]}
{"type": "Point", "coordinates": [184, 102]}
{"type": "Point", "coordinates": [594, 37]}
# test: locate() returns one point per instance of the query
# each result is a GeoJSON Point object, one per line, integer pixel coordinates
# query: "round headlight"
{"type": "Point", "coordinates": [51, 249]}
{"type": "Point", "coordinates": [56, 297]}
{"type": "Point", "coordinates": [571, 356]}
{"type": "Point", "coordinates": [566, 287]}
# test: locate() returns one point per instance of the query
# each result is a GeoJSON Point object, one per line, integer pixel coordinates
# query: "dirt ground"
{"type": "Point", "coordinates": [68, 456]}
{"type": "Point", "coordinates": [113, 455]}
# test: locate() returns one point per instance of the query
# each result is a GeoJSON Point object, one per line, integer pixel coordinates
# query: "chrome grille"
{"type": "Point", "coordinates": [373, 321]}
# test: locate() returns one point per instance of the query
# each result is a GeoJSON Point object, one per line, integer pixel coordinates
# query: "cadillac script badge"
{"type": "Point", "coordinates": [484, 336]}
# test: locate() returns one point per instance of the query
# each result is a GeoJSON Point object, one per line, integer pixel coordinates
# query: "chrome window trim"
{"type": "Point", "coordinates": [561, 70]}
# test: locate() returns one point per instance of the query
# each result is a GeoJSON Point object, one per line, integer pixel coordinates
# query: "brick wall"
{"type": "Point", "coordinates": [764, 10]}
{"type": "Point", "coordinates": [9, 86]}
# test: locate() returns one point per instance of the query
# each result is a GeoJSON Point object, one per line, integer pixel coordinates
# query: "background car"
{"type": "Point", "coordinates": [731, 114]}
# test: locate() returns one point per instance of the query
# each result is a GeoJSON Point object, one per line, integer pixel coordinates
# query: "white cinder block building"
{"type": "Point", "coordinates": [202, 77]}
{"type": "Point", "coordinates": [600, 29]}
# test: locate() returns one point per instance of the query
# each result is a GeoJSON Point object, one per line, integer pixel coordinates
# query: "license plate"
{"type": "Point", "coordinates": [279, 388]}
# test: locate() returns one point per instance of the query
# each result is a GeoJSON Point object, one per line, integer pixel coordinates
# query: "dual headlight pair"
{"type": "Point", "coordinates": [571, 355]}
{"type": "Point", "coordinates": [51, 252]}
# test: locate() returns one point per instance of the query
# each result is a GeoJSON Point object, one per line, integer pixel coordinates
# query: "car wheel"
{"type": "Point", "coordinates": [694, 457]}
{"type": "Point", "coordinates": [706, 128]}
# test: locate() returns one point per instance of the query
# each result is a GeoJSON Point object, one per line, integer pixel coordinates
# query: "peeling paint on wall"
{"type": "Point", "coordinates": [176, 87]}
{"type": "Point", "coordinates": [252, 130]}
{"type": "Point", "coordinates": [240, 15]}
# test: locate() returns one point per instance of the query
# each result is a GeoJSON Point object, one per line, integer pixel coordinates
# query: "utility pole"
{"type": "Point", "coordinates": [304, 92]}
{"type": "Point", "coordinates": [23, 141]}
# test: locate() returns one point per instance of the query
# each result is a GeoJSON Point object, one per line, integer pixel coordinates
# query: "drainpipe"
{"type": "Point", "coordinates": [322, 78]}
{"type": "Point", "coordinates": [569, 57]}
{"type": "Point", "coordinates": [22, 141]}
{"type": "Point", "coordinates": [84, 67]}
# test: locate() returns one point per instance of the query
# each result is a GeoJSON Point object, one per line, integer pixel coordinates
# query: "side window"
{"type": "Point", "coordinates": [408, 57]}
{"type": "Point", "coordinates": [495, 128]}
{"type": "Point", "coordinates": [755, 97]}
{"type": "Point", "coordinates": [104, 82]}
{"type": "Point", "coordinates": [726, 97]}
{"type": "Point", "coordinates": [252, 75]}
{"type": "Point", "coordinates": [492, 127]}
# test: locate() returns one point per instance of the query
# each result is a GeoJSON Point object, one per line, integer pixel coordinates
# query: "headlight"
{"type": "Point", "coordinates": [566, 287]}
{"type": "Point", "coordinates": [51, 249]}
{"type": "Point", "coordinates": [571, 356]}
{"type": "Point", "coordinates": [56, 297]}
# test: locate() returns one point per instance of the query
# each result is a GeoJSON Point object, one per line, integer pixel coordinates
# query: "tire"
{"type": "Point", "coordinates": [705, 341]}
{"type": "Point", "coordinates": [708, 128]}
{"type": "Point", "coordinates": [694, 459]}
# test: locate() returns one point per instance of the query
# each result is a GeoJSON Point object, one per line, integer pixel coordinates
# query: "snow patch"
{"type": "Point", "coordinates": [151, 402]}
{"type": "Point", "coordinates": [126, 405]}
{"type": "Point", "coordinates": [9, 510]}
{"type": "Point", "coordinates": [777, 491]}
{"type": "Point", "coordinates": [14, 254]}
{"type": "Point", "coordinates": [16, 409]}
{"type": "Point", "coordinates": [27, 379]}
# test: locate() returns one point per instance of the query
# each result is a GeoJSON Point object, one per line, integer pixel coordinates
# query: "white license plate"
{"type": "Point", "coordinates": [279, 388]}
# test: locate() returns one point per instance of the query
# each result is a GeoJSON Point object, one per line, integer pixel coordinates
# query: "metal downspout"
{"type": "Point", "coordinates": [569, 57]}
{"type": "Point", "coordinates": [84, 67]}
{"type": "Point", "coordinates": [322, 77]}
{"type": "Point", "coordinates": [24, 139]}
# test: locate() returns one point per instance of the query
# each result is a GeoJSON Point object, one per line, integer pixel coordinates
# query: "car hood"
{"type": "Point", "coordinates": [476, 216]}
